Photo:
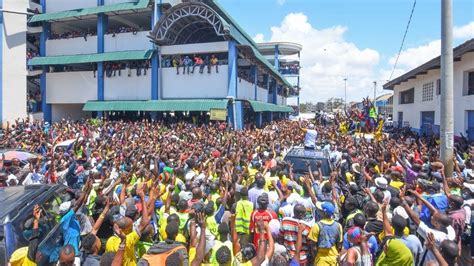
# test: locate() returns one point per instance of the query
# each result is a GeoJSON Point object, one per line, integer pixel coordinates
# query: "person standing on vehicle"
{"type": "Point", "coordinates": [310, 137]}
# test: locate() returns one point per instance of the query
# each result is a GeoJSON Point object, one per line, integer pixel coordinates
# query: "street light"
{"type": "Point", "coordinates": [345, 94]}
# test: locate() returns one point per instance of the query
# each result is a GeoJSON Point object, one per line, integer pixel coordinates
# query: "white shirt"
{"type": "Point", "coordinates": [467, 209]}
{"type": "Point", "coordinates": [29, 180]}
{"type": "Point", "coordinates": [310, 138]}
{"type": "Point", "coordinates": [439, 237]}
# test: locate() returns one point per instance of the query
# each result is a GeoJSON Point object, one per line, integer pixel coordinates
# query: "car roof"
{"type": "Point", "coordinates": [307, 153]}
{"type": "Point", "coordinates": [13, 199]}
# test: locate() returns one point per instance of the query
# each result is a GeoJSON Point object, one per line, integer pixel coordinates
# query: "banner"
{"type": "Point", "coordinates": [219, 114]}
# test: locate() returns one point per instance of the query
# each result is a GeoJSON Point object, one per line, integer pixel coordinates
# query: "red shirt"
{"type": "Point", "coordinates": [266, 216]}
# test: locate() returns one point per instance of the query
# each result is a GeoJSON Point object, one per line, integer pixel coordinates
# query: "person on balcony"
{"type": "Point", "coordinates": [187, 63]}
{"type": "Point", "coordinates": [177, 63]}
{"type": "Point", "coordinates": [215, 62]}
{"type": "Point", "coordinates": [198, 62]}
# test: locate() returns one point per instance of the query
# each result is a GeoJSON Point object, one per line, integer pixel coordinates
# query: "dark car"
{"type": "Point", "coordinates": [299, 157]}
{"type": "Point", "coordinates": [16, 210]}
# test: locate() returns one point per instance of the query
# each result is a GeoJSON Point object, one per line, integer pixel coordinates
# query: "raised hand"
{"type": "Point", "coordinates": [384, 205]}
{"type": "Point", "coordinates": [119, 232]}
{"type": "Point", "coordinates": [37, 212]}
{"type": "Point", "coordinates": [430, 241]}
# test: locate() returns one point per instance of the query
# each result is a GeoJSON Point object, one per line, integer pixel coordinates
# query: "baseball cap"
{"type": "Point", "coordinates": [326, 206]}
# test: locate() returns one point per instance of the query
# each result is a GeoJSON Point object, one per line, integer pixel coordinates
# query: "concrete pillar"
{"type": "Point", "coordinates": [277, 58]}
{"type": "Point", "coordinates": [259, 120]}
{"type": "Point", "coordinates": [235, 112]}
{"type": "Point", "coordinates": [275, 92]}
{"type": "Point", "coordinates": [254, 75]}
{"type": "Point", "coordinates": [47, 110]}
{"type": "Point", "coordinates": [155, 60]}
{"type": "Point", "coordinates": [102, 25]}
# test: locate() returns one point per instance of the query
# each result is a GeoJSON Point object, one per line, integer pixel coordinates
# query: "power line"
{"type": "Point", "coordinates": [403, 40]}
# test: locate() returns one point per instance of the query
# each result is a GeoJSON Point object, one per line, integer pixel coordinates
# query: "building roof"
{"type": "Point", "coordinates": [269, 107]}
{"type": "Point", "coordinates": [284, 48]}
{"type": "Point", "coordinates": [434, 63]}
{"type": "Point", "coordinates": [80, 12]}
{"type": "Point", "coordinates": [157, 105]}
{"type": "Point", "coordinates": [384, 97]}
{"type": "Point", "coordinates": [202, 105]}
{"type": "Point", "coordinates": [241, 36]}
{"type": "Point", "coordinates": [90, 58]}
{"type": "Point", "coordinates": [187, 19]}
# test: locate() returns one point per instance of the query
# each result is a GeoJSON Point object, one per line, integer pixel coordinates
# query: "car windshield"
{"type": "Point", "coordinates": [299, 165]}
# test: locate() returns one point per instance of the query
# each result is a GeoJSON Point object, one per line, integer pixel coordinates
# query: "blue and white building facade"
{"type": "Point", "coordinates": [417, 95]}
{"type": "Point", "coordinates": [93, 58]}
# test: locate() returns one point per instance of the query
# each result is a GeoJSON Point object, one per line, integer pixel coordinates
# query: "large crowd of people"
{"type": "Point", "coordinates": [289, 69]}
{"type": "Point", "coordinates": [149, 193]}
{"type": "Point", "coordinates": [87, 33]}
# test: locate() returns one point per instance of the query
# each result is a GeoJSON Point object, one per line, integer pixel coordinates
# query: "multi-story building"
{"type": "Point", "coordinates": [147, 58]}
{"type": "Point", "coordinates": [417, 94]}
{"type": "Point", "coordinates": [384, 105]}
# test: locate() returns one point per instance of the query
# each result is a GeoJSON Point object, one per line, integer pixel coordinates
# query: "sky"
{"type": "Point", "coordinates": [354, 39]}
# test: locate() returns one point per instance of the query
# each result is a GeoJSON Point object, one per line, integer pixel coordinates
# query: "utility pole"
{"type": "Point", "coordinates": [375, 88]}
{"type": "Point", "coordinates": [345, 94]}
{"type": "Point", "coordinates": [447, 119]}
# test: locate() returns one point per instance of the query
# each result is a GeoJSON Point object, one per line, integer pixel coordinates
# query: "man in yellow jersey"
{"type": "Point", "coordinates": [125, 224]}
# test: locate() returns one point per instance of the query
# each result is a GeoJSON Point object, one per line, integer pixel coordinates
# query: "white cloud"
{"type": "Point", "coordinates": [464, 32]}
{"type": "Point", "coordinates": [327, 58]}
{"type": "Point", "coordinates": [413, 57]}
{"type": "Point", "coordinates": [259, 38]}
{"type": "Point", "coordinates": [281, 2]}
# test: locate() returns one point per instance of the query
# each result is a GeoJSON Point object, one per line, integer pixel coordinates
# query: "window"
{"type": "Point", "coordinates": [407, 96]}
{"type": "Point", "coordinates": [400, 118]}
{"type": "Point", "coordinates": [427, 93]}
{"type": "Point", "coordinates": [470, 83]}
{"type": "Point", "coordinates": [438, 87]}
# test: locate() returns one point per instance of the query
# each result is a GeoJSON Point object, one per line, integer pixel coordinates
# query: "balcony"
{"type": "Point", "coordinates": [195, 85]}
{"type": "Point", "coordinates": [71, 46]}
{"type": "Point", "coordinates": [125, 87]}
{"type": "Point", "coordinates": [71, 87]}
{"type": "Point", "coordinates": [127, 41]}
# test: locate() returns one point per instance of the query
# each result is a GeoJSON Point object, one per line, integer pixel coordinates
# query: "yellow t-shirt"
{"type": "Point", "coordinates": [396, 184]}
{"type": "Point", "coordinates": [268, 182]}
{"type": "Point", "coordinates": [131, 241]}
{"type": "Point", "coordinates": [325, 256]}
{"type": "Point", "coordinates": [238, 260]}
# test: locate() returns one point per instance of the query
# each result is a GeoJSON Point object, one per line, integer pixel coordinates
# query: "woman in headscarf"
{"type": "Point", "coordinates": [358, 254]}
{"type": "Point", "coordinates": [395, 253]}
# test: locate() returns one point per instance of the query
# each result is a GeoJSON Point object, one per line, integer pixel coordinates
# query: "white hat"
{"type": "Point", "coordinates": [381, 182]}
{"type": "Point", "coordinates": [311, 126]}
{"type": "Point", "coordinates": [274, 226]}
{"type": "Point", "coordinates": [399, 210]}
{"type": "Point", "coordinates": [356, 168]}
